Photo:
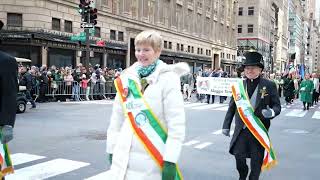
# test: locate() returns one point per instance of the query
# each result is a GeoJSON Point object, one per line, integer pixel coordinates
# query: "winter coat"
{"type": "Point", "coordinates": [130, 159]}
{"type": "Point", "coordinates": [288, 87]}
{"type": "Point", "coordinates": [306, 89]}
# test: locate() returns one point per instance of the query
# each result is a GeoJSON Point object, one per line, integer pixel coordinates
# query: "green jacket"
{"type": "Point", "coordinates": [306, 89]}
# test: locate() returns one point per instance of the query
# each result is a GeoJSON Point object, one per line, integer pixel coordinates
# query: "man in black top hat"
{"type": "Point", "coordinates": [8, 95]}
{"type": "Point", "coordinates": [243, 144]}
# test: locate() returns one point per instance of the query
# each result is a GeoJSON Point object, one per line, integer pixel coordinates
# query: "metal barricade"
{"type": "Point", "coordinates": [61, 90]}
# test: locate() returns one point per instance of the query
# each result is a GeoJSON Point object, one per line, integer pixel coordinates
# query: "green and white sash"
{"type": "Point", "coordinates": [5, 160]}
{"type": "Point", "coordinates": [144, 123]}
{"type": "Point", "coordinates": [253, 123]}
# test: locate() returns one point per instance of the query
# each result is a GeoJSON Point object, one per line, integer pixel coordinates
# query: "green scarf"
{"type": "Point", "coordinates": [146, 71]}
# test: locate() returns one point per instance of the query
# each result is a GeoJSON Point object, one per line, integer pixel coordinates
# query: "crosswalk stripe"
{"type": "Point", "coordinates": [100, 176]}
{"type": "Point", "coordinates": [46, 169]}
{"type": "Point", "coordinates": [20, 158]}
{"type": "Point", "coordinates": [193, 105]}
{"type": "Point", "coordinates": [316, 115]}
{"type": "Point", "coordinates": [296, 113]}
{"type": "Point", "coordinates": [203, 145]}
{"type": "Point", "coordinates": [208, 106]}
{"type": "Point", "coordinates": [192, 142]}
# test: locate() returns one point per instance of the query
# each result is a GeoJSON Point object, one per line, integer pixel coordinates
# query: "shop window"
{"type": "Point", "coordinates": [112, 34]}
{"type": "Point", "coordinates": [68, 26]}
{"type": "Point", "coordinates": [120, 36]}
{"type": "Point", "coordinates": [56, 24]}
{"type": "Point", "coordinates": [14, 20]}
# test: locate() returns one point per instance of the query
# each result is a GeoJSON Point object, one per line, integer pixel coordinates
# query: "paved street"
{"type": "Point", "coordinates": [66, 141]}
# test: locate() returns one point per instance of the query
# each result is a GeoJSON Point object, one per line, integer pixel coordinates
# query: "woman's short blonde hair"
{"type": "Point", "coordinates": [149, 37]}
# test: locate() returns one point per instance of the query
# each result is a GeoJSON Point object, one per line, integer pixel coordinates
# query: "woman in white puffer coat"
{"type": "Point", "coordinates": [130, 160]}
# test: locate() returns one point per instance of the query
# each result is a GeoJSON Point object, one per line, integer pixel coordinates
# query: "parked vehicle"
{"type": "Point", "coordinates": [21, 97]}
{"type": "Point", "coordinates": [21, 102]}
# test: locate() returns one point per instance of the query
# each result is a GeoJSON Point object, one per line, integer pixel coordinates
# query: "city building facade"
{"type": "Point", "coordinates": [296, 32]}
{"type": "Point", "coordinates": [199, 32]}
{"type": "Point", "coordinates": [262, 25]}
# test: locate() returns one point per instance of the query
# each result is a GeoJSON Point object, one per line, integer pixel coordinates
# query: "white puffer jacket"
{"type": "Point", "coordinates": [130, 160]}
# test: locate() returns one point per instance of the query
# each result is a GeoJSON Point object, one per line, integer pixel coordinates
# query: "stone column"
{"type": "Point", "coordinates": [44, 55]}
{"type": "Point", "coordinates": [78, 57]}
{"type": "Point", "coordinates": [104, 60]}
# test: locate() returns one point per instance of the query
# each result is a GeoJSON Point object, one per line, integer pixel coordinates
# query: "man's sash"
{"type": "Point", "coordinates": [144, 123]}
{"type": "Point", "coordinates": [5, 160]}
{"type": "Point", "coordinates": [253, 123]}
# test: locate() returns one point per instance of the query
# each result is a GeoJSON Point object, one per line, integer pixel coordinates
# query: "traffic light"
{"type": "Point", "coordinates": [93, 16]}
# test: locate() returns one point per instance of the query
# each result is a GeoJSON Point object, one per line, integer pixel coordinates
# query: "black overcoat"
{"type": "Point", "coordinates": [8, 89]}
{"type": "Point", "coordinates": [271, 98]}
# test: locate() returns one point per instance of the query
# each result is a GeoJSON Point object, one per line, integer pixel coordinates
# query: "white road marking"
{"type": "Point", "coordinates": [192, 142]}
{"type": "Point", "coordinates": [46, 170]}
{"type": "Point", "coordinates": [208, 106]}
{"type": "Point", "coordinates": [203, 145]}
{"type": "Point", "coordinates": [316, 115]}
{"type": "Point", "coordinates": [105, 175]}
{"type": "Point", "coordinates": [20, 158]}
{"type": "Point", "coordinates": [296, 113]}
{"type": "Point", "coordinates": [217, 132]}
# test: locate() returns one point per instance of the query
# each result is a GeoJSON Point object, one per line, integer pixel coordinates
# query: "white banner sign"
{"type": "Point", "coordinates": [215, 85]}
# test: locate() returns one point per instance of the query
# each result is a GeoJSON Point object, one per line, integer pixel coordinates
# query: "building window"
{"type": "Point", "coordinates": [120, 36]}
{"type": "Point", "coordinates": [201, 51]}
{"type": "Point", "coordinates": [189, 48]}
{"type": "Point", "coordinates": [112, 34]}
{"type": "Point", "coordinates": [14, 19]}
{"type": "Point", "coordinates": [68, 26]}
{"type": "Point", "coordinates": [239, 28]}
{"type": "Point", "coordinates": [181, 47]}
{"type": "Point", "coordinates": [178, 47]}
{"type": "Point", "coordinates": [165, 44]}
{"type": "Point", "coordinates": [170, 45]}
{"type": "Point", "coordinates": [97, 31]}
{"type": "Point", "coordinates": [250, 11]}
{"type": "Point", "coordinates": [56, 24]}
{"type": "Point", "coordinates": [250, 28]}
{"type": "Point", "coordinates": [240, 13]}
{"type": "Point", "coordinates": [192, 49]}
{"type": "Point", "coordinates": [198, 51]}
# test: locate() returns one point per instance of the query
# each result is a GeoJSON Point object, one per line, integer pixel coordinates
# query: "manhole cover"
{"type": "Point", "coordinates": [296, 131]}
